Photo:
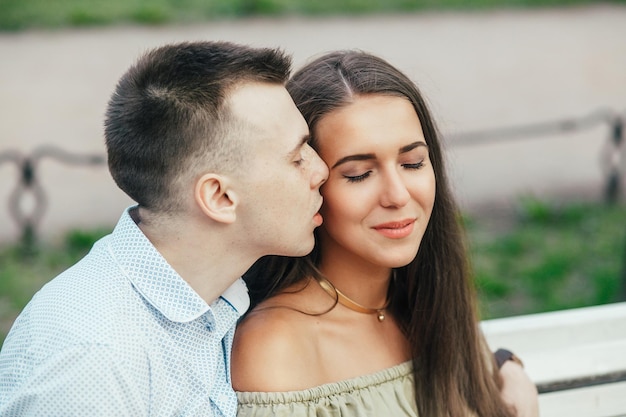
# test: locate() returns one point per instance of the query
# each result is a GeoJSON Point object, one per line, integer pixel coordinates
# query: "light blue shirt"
{"type": "Point", "coordinates": [121, 334]}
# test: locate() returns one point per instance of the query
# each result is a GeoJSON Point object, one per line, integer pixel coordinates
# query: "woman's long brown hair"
{"type": "Point", "coordinates": [433, 297]}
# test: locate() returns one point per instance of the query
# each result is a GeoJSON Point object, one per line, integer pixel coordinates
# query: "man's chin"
{"type": "Point", "coordinates": [302, 250]}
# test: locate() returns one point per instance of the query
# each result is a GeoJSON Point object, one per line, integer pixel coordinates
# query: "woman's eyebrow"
{"type": "Point", "coordinates": [368, 156]}
{"type": "Point", "coordinates": [412, 146]}
{"type": "Point", "coordinates": [357, 157]}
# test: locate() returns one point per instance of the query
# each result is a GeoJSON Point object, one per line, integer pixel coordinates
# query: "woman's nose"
{"type": "Point", "coordinates": [394, 193]}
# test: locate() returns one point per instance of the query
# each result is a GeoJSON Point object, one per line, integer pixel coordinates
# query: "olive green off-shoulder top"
{"type": "Point", "coordinates": [389, 392]}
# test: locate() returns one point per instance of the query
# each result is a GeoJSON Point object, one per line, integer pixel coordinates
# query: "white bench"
{"type": "Point", "coordinates": [576, 357]}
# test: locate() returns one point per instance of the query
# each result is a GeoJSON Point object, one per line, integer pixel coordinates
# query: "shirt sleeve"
{"type": "Point", "coordinates": [80, 381]}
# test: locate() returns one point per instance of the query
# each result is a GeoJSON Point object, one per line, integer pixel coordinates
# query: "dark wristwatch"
{"type": "Point", "coordinates": [503, 355]}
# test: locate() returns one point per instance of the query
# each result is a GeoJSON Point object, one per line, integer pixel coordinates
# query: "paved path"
{"type": "Point", "coordinates": [478, 70]}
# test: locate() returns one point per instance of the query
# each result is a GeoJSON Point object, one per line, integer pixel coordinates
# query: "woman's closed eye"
{"type": "Point", "coordinates": [416, 165]}
{"type": "Point", "coordinates": [361, 177]}
{"type": "Point", "coordinates": [357, 178]}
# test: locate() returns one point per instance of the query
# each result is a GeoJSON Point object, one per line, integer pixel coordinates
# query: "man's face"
{"type": "Point", "coordinates": [279, 198]}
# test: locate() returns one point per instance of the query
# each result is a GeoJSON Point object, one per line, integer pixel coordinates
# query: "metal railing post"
{"type": "Point", "coordinates": [28, 184]}
{"type": "Point", "coordinates": [614, 174]}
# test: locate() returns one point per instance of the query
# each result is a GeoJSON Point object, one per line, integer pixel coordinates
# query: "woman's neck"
{"type": "Point", "coordinates": [365, 284]}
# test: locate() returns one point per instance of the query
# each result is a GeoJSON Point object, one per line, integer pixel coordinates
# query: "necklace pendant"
{"type": "Point", "coordinates": [381, 315]}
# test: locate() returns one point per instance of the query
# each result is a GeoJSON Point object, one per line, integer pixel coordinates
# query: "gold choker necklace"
{"type": "Point", "coordinates": [346, 302]}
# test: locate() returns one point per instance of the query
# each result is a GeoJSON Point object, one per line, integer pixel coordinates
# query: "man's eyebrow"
{"type": "Point", "coordinates": [368, 156]}
{"type": "Point", "coordinates": [303, 141]}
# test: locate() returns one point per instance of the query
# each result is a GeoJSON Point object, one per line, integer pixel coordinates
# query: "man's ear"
{"type": "Point", "coordinates": [216, 199]}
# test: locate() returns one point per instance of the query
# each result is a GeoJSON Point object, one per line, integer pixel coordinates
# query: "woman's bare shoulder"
{"type": "Point", "coordinates": [272, 349]}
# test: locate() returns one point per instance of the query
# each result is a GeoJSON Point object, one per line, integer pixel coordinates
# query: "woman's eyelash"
{"type": "Point", "coordinates": [358, 178]}
{"type": "Point", "coordinates": [414, 166]}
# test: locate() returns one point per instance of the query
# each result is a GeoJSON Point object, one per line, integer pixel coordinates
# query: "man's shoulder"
{"type": "Point", "coordinates": [83, 303]}
{"type": "Point", "coordinates": [92, 282]}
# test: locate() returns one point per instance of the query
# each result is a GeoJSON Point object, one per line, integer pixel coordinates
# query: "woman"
{"type": "Point", "coordinates": [380, 319]}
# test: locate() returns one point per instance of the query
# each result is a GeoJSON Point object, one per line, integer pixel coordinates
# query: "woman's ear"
{"type": "Point", "coordinates": [216, 199]}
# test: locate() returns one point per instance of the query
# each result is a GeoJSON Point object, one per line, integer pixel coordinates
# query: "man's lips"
{"type": "Point", "coordinates": [317, 217]}
{"type": "Point", "coordinates": [397, 229]}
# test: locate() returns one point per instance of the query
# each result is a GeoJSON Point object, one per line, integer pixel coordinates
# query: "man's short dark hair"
{"type": "Point", "coordinates": [167, 115]}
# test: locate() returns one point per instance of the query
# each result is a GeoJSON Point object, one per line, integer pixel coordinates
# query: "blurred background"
{"type": "Point", "coordinates": [530, 96]}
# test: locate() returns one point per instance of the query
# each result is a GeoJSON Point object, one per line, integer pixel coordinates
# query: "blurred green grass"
{"type": "Point", "coordinates": [547, 256]}
{"type": "Point", "coordinates": [51, 14]}
{"type": "Point", "coordinates": [552, 257]}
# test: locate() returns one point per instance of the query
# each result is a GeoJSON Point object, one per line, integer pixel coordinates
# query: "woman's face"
{"type": "Point", "coordinates": [381, 187]}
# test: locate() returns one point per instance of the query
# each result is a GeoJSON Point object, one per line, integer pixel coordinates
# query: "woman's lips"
{"type": "Point", "coordinates": [396, 230]}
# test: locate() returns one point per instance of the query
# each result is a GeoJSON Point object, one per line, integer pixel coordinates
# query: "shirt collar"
{"type": "Point", "coordinates": [227, 309]}
{"type": "Point", "coordinates": [157, 281]}
{"type": "Point", "coordinates": [237, 296]}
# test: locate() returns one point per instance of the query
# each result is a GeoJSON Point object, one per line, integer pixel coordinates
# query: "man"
{"type": "Point", "coordinates": [207, 141]}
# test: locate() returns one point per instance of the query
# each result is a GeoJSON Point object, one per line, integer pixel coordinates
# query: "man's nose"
{"type": "Point", "coordinates": [319, 170]}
